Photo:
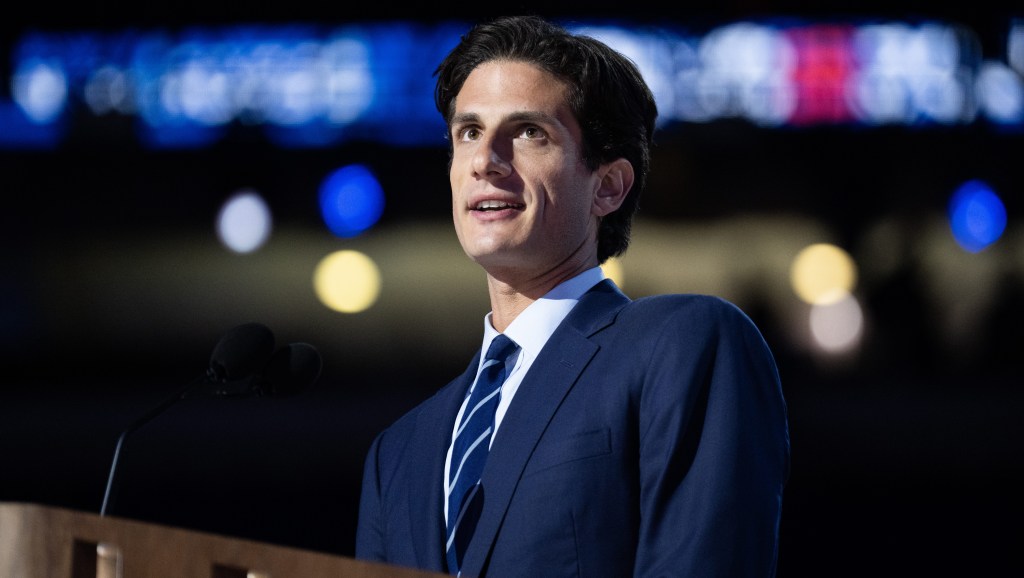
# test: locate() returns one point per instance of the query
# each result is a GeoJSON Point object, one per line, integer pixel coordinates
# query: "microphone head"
{"type": "Point", "coordinates": [241, 352]}
{"type": "Point", "coordinates": [291, 369]}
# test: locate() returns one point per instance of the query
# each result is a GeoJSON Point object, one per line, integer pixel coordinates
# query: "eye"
{"type": "Point", "coordinates": [532, 132]}
{"type": "Point", "coordinates": [465, 133]}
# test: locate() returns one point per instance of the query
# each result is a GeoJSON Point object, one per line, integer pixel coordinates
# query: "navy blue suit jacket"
{"type": "Point", "coordinates": [649, 438]}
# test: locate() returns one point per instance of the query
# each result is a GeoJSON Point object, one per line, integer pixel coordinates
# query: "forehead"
{"type": "Point", "coordinates": [501, 86]}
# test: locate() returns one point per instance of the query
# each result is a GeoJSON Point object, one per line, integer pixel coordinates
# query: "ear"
{"type": "Point", "coordinates": [616, 181]}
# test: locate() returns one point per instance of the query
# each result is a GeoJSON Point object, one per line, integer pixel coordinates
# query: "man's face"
{"type": "Point", "coordinates": [522, 198]}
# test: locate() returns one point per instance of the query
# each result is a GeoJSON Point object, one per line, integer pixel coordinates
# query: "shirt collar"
{"type": "Point", "coordinates": [532, 328]}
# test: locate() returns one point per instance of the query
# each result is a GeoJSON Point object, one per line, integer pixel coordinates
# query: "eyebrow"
{"type": "Point", "coordinates": [518, 116]}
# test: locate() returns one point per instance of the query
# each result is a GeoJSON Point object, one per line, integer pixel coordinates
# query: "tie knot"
{"type": "Point", "coordinates": [501, 347]}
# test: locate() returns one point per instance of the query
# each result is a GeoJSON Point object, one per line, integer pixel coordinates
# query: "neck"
{"type": "Point", "coordinates": [511, 294]}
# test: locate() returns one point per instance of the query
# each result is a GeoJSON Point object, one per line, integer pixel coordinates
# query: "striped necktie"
{"type": "Point", "coordinates": [469, 451]}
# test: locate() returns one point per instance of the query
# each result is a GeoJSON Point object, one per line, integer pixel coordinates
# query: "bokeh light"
{"type": "Point", "coordinates": [311, 86]}
{"type": "Point", "coordinates": [1000, 92]}
{"type": "Point", "coordinates": [40, 89]}
{"type": "Point", "coordinates": [822, 274]}
{"type": "Point", "coordinates": [347, 281]}
{"type": "Point", "coordinates": [837, 327]}
{"type": "Point", "coordinates": [351, 200]}
{"type": "Point", "coordinates": [244, 222]}
{"type": "Point", "coordinates": [977, 216]}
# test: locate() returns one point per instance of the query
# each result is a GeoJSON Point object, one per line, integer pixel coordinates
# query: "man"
{"type": "Point", "coordinates": [639, 437]}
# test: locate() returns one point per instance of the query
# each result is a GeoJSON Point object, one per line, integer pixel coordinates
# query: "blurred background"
{"type": "Point", "coordinates": [850, 176]}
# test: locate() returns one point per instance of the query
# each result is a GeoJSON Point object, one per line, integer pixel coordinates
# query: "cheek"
{"type": "Point", "coordinates": [460, 162]}
{"type": "Point", "coordinates": [455, 185]}
{"type": "Point", "coordinates": [452, 180]}
{"type": "Point", "coordinates": [580, 208]}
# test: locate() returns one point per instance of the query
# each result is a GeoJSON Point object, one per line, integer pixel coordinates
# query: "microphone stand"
{"type": "Point", "coordinates": [153, 413]}
{"type": "Point", "coordinates": [240, 352]}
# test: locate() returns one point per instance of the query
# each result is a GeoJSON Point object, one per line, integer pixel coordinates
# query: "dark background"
{"type": "Point", "coordinates": [906, 461]}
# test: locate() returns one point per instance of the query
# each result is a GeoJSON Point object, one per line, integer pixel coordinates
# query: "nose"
{"type": "Point", "coordinates": [492, 158]}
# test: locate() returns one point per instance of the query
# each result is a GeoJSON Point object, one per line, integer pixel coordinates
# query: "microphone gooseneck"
{"type": "Point", "coordinates": [240, 353]}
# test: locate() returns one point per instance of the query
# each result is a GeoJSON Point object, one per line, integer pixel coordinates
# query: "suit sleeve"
{"type": "Point", "coordinates": [714, 449]}
{"type": "Point", "coordinates": [369, 532]}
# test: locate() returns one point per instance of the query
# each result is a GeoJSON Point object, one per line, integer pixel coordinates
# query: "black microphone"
{"type": "Point", "coordinates": [289, 371]}
{"type": "Point", "coordinates": [241, 352]}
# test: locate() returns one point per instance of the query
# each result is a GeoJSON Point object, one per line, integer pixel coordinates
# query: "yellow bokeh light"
{"type": "Point", "coordinates": [613, 269]}
{"type": "Point", "coordinates": [822, 274]}
{"type": "Point", "coordinates": [347, 281]}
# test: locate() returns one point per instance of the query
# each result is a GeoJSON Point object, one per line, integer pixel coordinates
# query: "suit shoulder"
{"type": "Point", "coordinates": [691, 318]}
{"type": "Point", "coordinates": [693, 306]}
{"type": "Point", "coordinates": [426, 413]}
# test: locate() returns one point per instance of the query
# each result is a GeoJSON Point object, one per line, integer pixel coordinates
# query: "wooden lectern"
{"type": "Point", "coordinates": [47, 542]}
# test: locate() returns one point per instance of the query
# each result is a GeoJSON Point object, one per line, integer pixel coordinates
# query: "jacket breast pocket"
{"type": "Point", "coordinates": [573, 448]}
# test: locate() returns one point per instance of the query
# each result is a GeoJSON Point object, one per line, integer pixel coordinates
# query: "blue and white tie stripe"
{"type": "Point", "coordinates": [469, 451]}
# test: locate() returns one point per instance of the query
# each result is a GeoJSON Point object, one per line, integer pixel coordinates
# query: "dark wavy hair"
{"type": "Point", "coordinates": [607, 95]}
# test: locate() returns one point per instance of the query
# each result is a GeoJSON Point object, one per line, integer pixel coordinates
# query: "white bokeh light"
{"type": "Point", "coordinates": [837, 327]}
{"type": "Point", "coordinates": [244, 222]}
{"type": "Point", "coordinates": [41, 90]}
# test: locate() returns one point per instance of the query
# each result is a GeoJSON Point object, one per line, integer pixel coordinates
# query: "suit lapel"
{"type": "Point", "coordinates": [549, 380]}
{"type": "Point", "coordinates": [431, 441]}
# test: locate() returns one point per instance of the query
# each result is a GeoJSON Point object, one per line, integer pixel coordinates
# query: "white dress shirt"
{"type": "Point", "coordinates": [530, 331]}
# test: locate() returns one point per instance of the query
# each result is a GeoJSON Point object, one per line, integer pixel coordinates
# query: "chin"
{"type": "Point", "coordinates": [498, 259]}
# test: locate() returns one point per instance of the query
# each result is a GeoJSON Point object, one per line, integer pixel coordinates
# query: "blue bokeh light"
{"type": "Point", "coordinates": [977, 216]}
{"type": "Point", "coordinates": [351, 200]}
{"type": "Point", "coordinates": [316, 86]}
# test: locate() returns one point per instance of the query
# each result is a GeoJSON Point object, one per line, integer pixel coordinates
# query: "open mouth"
{"type": "Point", "coordinates": [496, 206]}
